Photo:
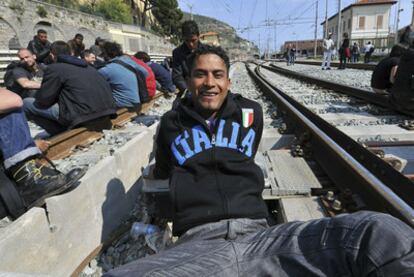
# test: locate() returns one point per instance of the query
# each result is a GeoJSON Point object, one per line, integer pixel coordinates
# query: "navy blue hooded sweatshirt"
{"type": "Point", "coordinates": [212, 173]}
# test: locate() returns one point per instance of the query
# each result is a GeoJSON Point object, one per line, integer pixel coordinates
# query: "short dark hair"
{"type": "Point", "coordinates": [41, 31]}
{"type": "Point", "coordinates": [79, 36]}
{"type": "Point", "coordinates": [207, 49]}
{"type": "Point", "coordinates": [397, 51]}
{"type": "Point", "coordinates": [60, 47]}
{"type": "Point", "coordinates": [112, 49]}
{"type": "Point", "coordinates": [141, 55]}
{"type": "Point", "coordinates": [189, 28]}
{"type": "Point", "coordinates": [86, 52]}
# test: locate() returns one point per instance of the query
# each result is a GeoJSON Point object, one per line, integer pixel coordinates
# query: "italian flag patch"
{"type": "Point", "coordinates": [247, 117]}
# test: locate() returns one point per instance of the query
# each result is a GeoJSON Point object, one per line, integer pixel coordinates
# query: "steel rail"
{"type": "Point", "coordinates": [349, 164]}
{"type": "Point", "coordinates": [62, 145]}
{"type": "Point", "coordinates": [365, 95]}
{"type": "Point", "coordinates": [362, 66]}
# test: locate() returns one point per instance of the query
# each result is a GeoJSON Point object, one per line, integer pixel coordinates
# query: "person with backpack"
{"type": "Point", "coordinates": [344, 52]}
{"type": "Point", "coordinates": [355, 53]}
{"type": "Point", "coordinates": [369, 49]}
{"type": "Point", "coordinates": [126, 77]}
{"type": "Point", "coordinates": [72, 94]}
{"type": "Point", "coordinates": [24, 77]}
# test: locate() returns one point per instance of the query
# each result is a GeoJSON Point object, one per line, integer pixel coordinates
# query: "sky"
{"type": "Point", "coordinates": [288, 19]}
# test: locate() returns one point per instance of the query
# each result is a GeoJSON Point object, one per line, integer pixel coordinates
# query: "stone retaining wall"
{"type": "Point", "coordinates": [20, 20]}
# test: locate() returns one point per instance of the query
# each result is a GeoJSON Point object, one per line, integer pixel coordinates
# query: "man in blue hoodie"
{"type": "Point", "coordinates": [72, 93]}
{"type": "Point", "coordinates": [206, 147]}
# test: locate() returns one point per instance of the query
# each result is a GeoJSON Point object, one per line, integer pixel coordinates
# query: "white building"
{"type": "Point", "coordinates": [365, 20]}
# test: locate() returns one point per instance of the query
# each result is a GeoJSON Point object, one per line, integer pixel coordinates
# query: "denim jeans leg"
{"type": "Point", "coordinates": [16, 143]}
{"type": "Point", "coordinates": [45, 118]}
{"type": "Point", "coordinates": [361, 244]}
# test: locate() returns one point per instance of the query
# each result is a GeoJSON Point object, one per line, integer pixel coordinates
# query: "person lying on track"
{"type": "Point", "coordinates": [206, 147]}
{"type": "Point", "coordinates": [72, 94]}
{"type": "Point", "coordinates": [34, 180]}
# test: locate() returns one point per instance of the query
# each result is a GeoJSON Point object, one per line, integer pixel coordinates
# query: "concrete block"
{"type": "Point", "coordinates": [371, 133]}
{"type": "Point", "coordinates": [78, 221]}
{"type": "Point", "coordinates": [25, 244]}
{"type": "Point", "coordinates": [289, 175]}
{"type": "Point", "coordinates": [300, 209]}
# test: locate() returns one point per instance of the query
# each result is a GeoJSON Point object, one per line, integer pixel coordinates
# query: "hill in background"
{"type": "Point", "coordinates": [235, 46]}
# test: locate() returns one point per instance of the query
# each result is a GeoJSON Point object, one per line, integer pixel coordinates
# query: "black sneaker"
{"type": "Point", "coordinates": [36, 181]}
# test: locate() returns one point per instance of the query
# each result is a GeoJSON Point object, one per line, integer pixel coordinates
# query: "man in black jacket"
{"type": "Point", "coordinates": [191, 37]}
{"type": "Point", "coordinates": [402, 91]}
{"type": "Point", "coordinates": [206, 147]}
{"type": "Point", "coordinates": [40, 46]}
{"type": "Point", "coordinates": [72, 93]}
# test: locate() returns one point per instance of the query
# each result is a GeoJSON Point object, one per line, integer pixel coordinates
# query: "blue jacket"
{"type": "Point", "coordinates": [163, 76]}
{"type": "Point", "coordinates": [123, 82]}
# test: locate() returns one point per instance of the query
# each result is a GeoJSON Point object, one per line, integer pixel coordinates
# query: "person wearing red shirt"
{"type": "Point", "coordinates": [150, 79]}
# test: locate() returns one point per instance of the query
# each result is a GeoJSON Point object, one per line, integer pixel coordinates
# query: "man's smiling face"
{"type": "Point", "coordinates": [209, 84]}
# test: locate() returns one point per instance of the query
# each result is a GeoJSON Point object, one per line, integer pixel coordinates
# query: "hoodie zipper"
{"type": "Point", "coordinates": [223, 196]}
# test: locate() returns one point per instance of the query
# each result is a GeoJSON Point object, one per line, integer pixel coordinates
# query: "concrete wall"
{"type": "Point", "coordinates": [20, 19]}
{"type": "Point", "coordinates": [371, 14]}
{"type": "Point", "coordinates": [76, 223]}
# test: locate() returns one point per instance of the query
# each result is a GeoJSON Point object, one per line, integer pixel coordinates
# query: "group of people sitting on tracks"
{"type": "Point", "coordinates": [61, 86]}
{"type": "Point", "coordinates": [206, 147]}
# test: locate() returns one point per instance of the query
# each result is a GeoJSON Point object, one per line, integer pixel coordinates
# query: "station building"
{"type": "Point", "coordinates": [365, 20]}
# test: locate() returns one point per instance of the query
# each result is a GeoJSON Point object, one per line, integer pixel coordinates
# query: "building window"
{"type": "Point", "coordinates": [349, 23]}
{"type": "Point", "coordinates": [361, 22]}
{"type": "Point", "coordinates": [379, 21]}
{"type": "Point", "coordinates": [343, 26]}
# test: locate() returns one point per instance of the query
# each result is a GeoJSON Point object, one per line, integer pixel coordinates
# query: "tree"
{"type": "Point", "coordinates": [168, 15]}
{"type": "Point", "coordinates": [115, 10]}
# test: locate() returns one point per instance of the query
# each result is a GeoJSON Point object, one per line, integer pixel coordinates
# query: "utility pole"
{"type": "Point", "coordinates": [316, 30]}
{"type": "Point", "coordinates": [326, 20]}
{"type": "Point", "coordinates": [338, 35]}
{"type": "Point", "coordinates": [397, 21]}
{"type": "Point", "coordinates": [412, 17]}
{"type": "Point", "coordinates": [275, 41]}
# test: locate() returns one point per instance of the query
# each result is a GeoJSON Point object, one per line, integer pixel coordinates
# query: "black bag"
{"type": "Point", "coordinates": [9, 76]}
{"type": "Point", "coordinates": [371, 50]}
{"type": "Point", "coordinates": [11, 203]}
{"type": "Point", "coordinates": [142, 86]}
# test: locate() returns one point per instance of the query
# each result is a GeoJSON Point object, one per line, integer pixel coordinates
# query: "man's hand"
{"type": "Point", "coordinates": [149, 172]}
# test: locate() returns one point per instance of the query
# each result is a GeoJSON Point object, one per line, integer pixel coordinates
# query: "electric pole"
{"type": "Point", "coordinates": [338, 35]}
{"type": "Point", "coordinates": [326, 20]}
{"type": "Point", "coordinates": [397, 21]}
{"type": "Point", "coordinates": [316, 30]}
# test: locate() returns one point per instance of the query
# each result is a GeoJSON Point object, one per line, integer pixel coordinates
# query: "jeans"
{"type": "Point", "coordinates": [45, 118]}
{"type": "Point", "coordinates": [16, 143]}
{"type": "Point", "coordinates": [354, 58]}
{"type": "Point", "coordinates": [367, 57]}
{"type": "Point", "coordinates": [327, 57]}
{"type": "Point", "coordinates": [342, 61]}
{"type": "Point", "coordinates": [361, 244]}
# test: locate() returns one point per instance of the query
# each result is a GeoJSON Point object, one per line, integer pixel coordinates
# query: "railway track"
{"type": "Point", "coordinates": [363, 66]}
{"type": "Point", "coordinates": [62, 145]}
{"type": "Point", "coordinates": [361, 179]}
{"type": "Point", "coordinates": [354, 168]}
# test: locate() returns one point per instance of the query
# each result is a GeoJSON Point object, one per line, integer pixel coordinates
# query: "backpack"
{"type": "Point", "coordinates": [371, 50]}
{"type": "Point", "coordinates": [9, 76]}
{"type": "Point", "coordinates": [142, 87]}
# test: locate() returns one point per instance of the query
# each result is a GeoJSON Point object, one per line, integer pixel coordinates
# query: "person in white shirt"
{"type": "Point", "coordinates": [368, 49]}
{"type": "Point", "coordinates": [328, 46]}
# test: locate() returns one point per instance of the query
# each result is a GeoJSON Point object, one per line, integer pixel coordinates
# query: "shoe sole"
{"type": "Point", "coordinates": [67, 187]}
